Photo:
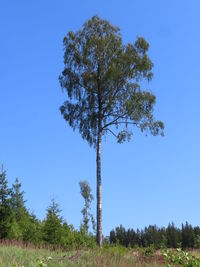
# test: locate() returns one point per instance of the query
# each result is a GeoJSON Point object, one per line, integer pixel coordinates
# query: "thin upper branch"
{"type": "Point", "coordinates": [107, 129]}
{"type": "Point", "coordinates": [114, 121]}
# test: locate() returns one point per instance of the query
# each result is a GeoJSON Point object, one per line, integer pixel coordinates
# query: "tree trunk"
{"type": "Point", "coordinates": [99, 197]}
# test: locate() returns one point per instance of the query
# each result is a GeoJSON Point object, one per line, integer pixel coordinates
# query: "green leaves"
{"type": "Point", "coordinates": [52, 228]}
{"type": "Point", "coordinates": [180, 258]}
{"type": "Point", "coordinates": [5, 207]}
{"type": "Point", "coordinates": [85, 191]}
{"type": "Point", "coordinates": [123, 136]}
{"type": "Point", "coordinates": [101, 77]}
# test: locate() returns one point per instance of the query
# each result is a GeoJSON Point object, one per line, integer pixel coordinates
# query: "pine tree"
{"type": "Point", "coordinates": [173, 236]}
{"type": "Point", "coordinates": [52, 229]}
{"type": "Point", "coordinates": [5, 207]}
{"type": "Point", "coordinates": [188, 238]}
{"type": "Point", "coordinates": [17, 201]}
{"type": "Point", "coordinates": [20, 215]}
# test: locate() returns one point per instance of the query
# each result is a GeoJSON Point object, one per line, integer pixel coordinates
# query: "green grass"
{"type": "Point", "coordinates": [30, 257]}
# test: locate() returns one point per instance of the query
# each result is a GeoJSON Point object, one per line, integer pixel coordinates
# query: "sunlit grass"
{"type": "Point", "coordinates": [16, 256]}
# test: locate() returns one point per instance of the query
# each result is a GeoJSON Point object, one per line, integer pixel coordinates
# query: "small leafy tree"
{"type": "Point", "coordinates": [85, 191]}
{"type": "Point", "coordinates": [102, 78]}
{"type": "Point", "coordinates": [5, 207]}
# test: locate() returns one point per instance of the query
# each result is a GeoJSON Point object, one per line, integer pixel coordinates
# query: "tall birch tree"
{"type": "Point", "coordinates": [102, 77]}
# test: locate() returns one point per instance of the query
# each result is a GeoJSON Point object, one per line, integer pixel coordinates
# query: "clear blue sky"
{"type": "Point", "coordinates": [150, 180]}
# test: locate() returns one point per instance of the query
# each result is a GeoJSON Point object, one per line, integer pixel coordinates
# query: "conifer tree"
{"type": "Point", "coordinates": [5, 207]}
{"type": "Point", "coordinates": [21, 220]}
{"type": "Point", "coordinates": [52, 229]}
{"type": "Point", "coordinates": [17, 201]}
{"type": "Point", "coordinates": [102, 77]}
{"type": "Point", "coordinates": [188, 237]}
{"type": "Point", "coordinates": [32, 229]}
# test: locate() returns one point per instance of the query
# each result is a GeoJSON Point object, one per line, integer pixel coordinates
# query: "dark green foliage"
{"type": "Point", "coordinates": [17, 223]}
{"type": "Point", "coordinates": [85, 191]}
{"type": "Point", "coordinates": [31, 229]}
{"type": "Point", "coordinates": [171, 237]}
{"type": "Point", "coordinates": [152, 235]}
{"type": "Point", "coordinates": [5, 205]}
{"type": "Point", "coordinates": [102, 79]}
{"type": "Point", "coordinates": [23, 226]}
{"type": "Point", "coordinates": [188, 237]}
{"type": "Point", "coordinates": [17, 201]}
{"type": "Point", "coordinates": [197, 237]}
{"type": "Point", "coordinates": [52, 228]}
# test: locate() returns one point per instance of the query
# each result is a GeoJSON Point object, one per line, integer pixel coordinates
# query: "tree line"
{"type": "Point", "coordinates": [17, 223]}
{"type": "Point", "coordinates": [170, 236]}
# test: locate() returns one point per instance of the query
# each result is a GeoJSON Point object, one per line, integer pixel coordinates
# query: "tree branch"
{"type": "Point", "coordinates": [128, 122]}
{"type": "Point", "coordinates": [107, 129]}
{"type": "Point", "coordinates": [114, 121]}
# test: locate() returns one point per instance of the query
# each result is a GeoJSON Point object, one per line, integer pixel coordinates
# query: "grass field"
{"type": "Point", "coordinates": [16, 256]}
{"type": "Point", "coordinates": [19, 255]}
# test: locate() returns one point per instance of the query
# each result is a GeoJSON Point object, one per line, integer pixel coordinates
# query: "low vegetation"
{"type": "Point", "coordinates": [17, 223]}
{"type": "Point", "coordinates": [180, 258]}
{"type": "Point", "coordinates": [27, 241]}
{"type": "Point", "coordinates": [17, 254]}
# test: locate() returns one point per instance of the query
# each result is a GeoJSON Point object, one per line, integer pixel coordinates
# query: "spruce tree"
{"type": "Point", "coordinates": [188, 237]}
{"type": "Point", "coordinates": [52, 229]}
{"type": "Point", "coordinates": [20, 215]}
{"type": "Point", "coordinates": [173, 236]}
{"type": "Point", "coordinates": [17, 201]}
{"type": "Point", "coordinates": [5, 205]}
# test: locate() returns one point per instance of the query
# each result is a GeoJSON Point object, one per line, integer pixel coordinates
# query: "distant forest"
{"type": "Point", "coordinates": [17, 223]}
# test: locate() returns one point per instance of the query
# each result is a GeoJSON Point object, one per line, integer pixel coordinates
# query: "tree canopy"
{"type": "Point", "coordinates": [101, 72]}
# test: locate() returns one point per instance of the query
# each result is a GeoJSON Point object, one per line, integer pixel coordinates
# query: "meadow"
{"type": "Point", "coordinates": [18, 255]}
